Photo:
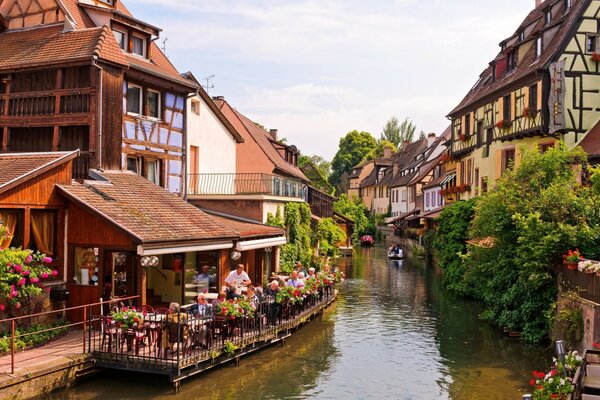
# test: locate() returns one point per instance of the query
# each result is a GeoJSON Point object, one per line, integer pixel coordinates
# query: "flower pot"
{"type": "Point", "coordinates": [589, 271]}
{"type": "Point", "coordinates": [572, 266]}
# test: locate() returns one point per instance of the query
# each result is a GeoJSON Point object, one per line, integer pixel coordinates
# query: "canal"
{"type": "Point", "coordinates": [393, 333]}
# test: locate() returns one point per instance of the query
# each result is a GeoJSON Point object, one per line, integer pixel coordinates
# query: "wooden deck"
{"type": "Point", "coordinates": [207, 345]}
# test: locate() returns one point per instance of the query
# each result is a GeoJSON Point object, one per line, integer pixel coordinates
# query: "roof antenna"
{"type": "Point", "coordinates": [207, 79]}
{"type": "Point", "coordinates": [164, 47]}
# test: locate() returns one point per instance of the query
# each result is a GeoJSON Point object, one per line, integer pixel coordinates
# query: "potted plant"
{"type": "Point", "coordinates": [572, 259]}
{"type": "Point", "coordinates": [595, 57]}
{"type": "Point", "coordinates": [551, 385]}
{"type": "Point", "coordinates": [529, 113]}
{"type": "Point", "coordinates": [587, 266]}
{"type": "Point", "coordinates": [126, 317]}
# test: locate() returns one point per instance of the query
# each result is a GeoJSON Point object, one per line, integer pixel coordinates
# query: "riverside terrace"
{"type": "Point", "coordinates": [200, 343]}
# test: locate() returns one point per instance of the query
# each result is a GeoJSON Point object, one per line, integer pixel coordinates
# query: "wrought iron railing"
{"type": "Point", "coordinates": [245, 184]}
{"type": "Point", "coordinates": [160, 346]}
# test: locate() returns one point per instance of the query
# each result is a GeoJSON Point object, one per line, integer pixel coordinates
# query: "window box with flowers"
{"type": "Point", "coordinates": [595, 57]}
{"type": "Point", "coordinates": [503, 124]}
{"type": "Point", "coordinates": [529, 113]}
{"type": "Point", "coordinates": [462, 137]}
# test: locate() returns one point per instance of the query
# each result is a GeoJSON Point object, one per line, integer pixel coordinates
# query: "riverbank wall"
{"type": "Point", "coordinates": [38, 379]}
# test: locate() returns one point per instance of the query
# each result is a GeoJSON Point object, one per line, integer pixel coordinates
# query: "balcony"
{"type": "Point", "coordinates": [245, 184]}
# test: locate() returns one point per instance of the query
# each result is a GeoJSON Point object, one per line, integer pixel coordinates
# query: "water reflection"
{"type": "Point", "coordinates": [393, 333]}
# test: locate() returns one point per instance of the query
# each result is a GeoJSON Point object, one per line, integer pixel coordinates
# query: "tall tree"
{"type": "Point", "coordinates": [317, 169]}
{"type": "Point", "coordinates": [397, 132]}
{"type": "Point", "coordinates": [353, 149]}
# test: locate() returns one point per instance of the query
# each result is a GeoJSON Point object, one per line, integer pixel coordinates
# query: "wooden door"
{"type": "Point", "coordinates": [194, 168]}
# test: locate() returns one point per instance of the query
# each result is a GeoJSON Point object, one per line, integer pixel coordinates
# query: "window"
{"type": "Point", "coordinates": [506, 111]}
{"type": "Point", "coordinates": [494, 73]}
{"type": "Point", "coordinates": [85, 266]}
{"type": "Point", "coordinates": [404, 195]}
{"type": "Point", "coordinates": [134, 99]}
{"type": "Point", "coordinates": [139, 46]}
{"type": "Point", "coordinates": [489, 137]}
{"type": "Point", "coordinates": [121, 38]}
{"type": "Point", "coordinates": [153, 99]}
{"type": "Point", "coordinates": [591, 44]}
{"type": "Point", "coordinates": [484, 184]}
{"type": "Point", "coordinates": [43, 232]}
{"type": "Point", "coordinates": [476, 177]}
{"type": "Point", "coordinates": [467, 124]}
{"type": "Point", "coordinates": [426, 199]}
{"type": "Point", "coordinates": [508, 159]}
{"type": "Point", "coordinates": [533, 94]}
{"type": "Point", "coordinates": [538, 47]}
{"type": "Point", "coordinates": [479, 133]}
{"type": "Point", "coordinates": [196, 110]}
{"type": "Point", "coordinates": [153, 171]}
{"type": "Point", "coordinates": [567, 5]}
{"type": "Point", "coordinates": [462, 173]}
{"type": "Point", "coordinates": [521, 36]}
{"type": "Point", "coordinates": [12, 220]}
{"type": "Point", "coordinates": [512, 61]}
{"type": "Point", "coordinates": [469, 176]}
{"type": "Point", "coordinates": [548, 16]}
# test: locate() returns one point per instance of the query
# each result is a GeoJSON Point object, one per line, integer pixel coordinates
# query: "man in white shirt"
{"type": "Point", "coordinates": [238, 277]}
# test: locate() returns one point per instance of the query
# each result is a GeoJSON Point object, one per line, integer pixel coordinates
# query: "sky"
{"type": "Point", "coordinates": [317, 69]}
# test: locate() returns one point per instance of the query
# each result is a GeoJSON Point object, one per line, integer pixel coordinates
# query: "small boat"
{"type": "Point", "coordinates": [396, 255]}
{"type": "Point", "coordinates": [366, 240]}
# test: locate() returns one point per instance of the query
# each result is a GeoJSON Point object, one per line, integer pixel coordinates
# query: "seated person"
{"type": "Point", "coordinates": [272, 291]}
{"type": "Point", "coordinates": [311, 273]}
{"type": "Point", "coordinates": [252, 296]}
{"type": "Point", "coordinates": [174, 320]}
{"type": "Point", "coordinates": [233, 292]}
{"type": "Point", "coordinates": [201, 307]}
{"type": "Point", "coordinates": [295, 281]}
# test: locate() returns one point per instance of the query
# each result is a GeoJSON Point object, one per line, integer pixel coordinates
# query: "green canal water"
{"type": "Point", "coordinates": [392, 334]}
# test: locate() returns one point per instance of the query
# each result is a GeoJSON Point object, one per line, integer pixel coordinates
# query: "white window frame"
{"type": "Point", "coordinates": [141, 107]}
{"type": "Point", "coordinates": [159, 110]}
{"type": "Point", "coordinates": [144, 44]}
{"type": "Point", "coordinates": [195, 107]}
{"type": "Point", "coordinates": [539, 47]}
{"type": "Point", "coordinates": [125, 39]}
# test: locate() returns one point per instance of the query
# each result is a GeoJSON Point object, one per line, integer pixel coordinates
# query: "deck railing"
{"type": "Point", "coordinates": [245, 184]}
{"type": "Point", "coordinates": [587, 285]}
{"type": "Point", "coordinates": [195, 340]}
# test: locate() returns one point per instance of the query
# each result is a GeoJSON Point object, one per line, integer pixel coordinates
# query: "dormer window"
{"type": "Point", "coordinates": [512, 60]}
{"type": "Point", "coordinates": [121, 38]}
{"type": "Point", "coordinates": [108, 2]}
{"type": "Point", "coordinates": [521, 36]}
{"type": "Point", "coordinates": [548, 16]}
{"type": "Point", "coordinates": [567, 5]}
{"type": "Point", "coordinates": [138, 46]}
{"type": "Point", "coordinates": [538, 47]}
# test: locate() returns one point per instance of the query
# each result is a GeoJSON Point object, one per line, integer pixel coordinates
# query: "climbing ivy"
{"type": "Point", "coordinates": [296, 221]}
{"type": "Point", "coordinates": [327, 237]}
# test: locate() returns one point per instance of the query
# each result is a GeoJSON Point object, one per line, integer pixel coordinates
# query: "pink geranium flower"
{"type": "Point", "coordinates": [18, 268]}
{"type": "Point", "coordinates": [44, 275]}
{"type": "Point", "coordinates": [2, 307]}
{"type": "Point", "coordinates": [34, 280]}
{"type": "Point", "coordinates": [25, 273]}
{"type": "Point", "coordinates": [54, 272]}
{"type": "Point", "coordinates": [28, 259]}
{"type": "Point", "coordinates": [21, 282]}
{"type": "Point", "coordinates": [47, 260]}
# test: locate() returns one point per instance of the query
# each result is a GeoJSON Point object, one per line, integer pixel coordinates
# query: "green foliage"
{"type": "Point", "coordinates": [276, 220]}
{"type": "Point", "coordinates": [534, 214]}
{"type": "Point", "coordinates": [566, 319]}
{"type": "Point", "coordinates": [31, 339]}
{"type": "Point", "coordinates": [379, 150]}
{"type": "Point", "coordinates": [328, 235]}
{"type": "Point", "coordinates": [354, 209]}
{"type": "Point", "coordinates": [397, 132]}
{"type": "Point", "coordinates": [296, 220]}
{"type": "Point", "coordinates": [353, 149]}
{"type": "Point", "coordinates": [229, 348]}
{"type": "Point", "coordinates": [21, 275]}
{"type": "Point", "coordinates": [317, 170]}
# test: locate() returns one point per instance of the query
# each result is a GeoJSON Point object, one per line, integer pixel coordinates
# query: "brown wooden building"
{"type": "Point", "coordinates": [87, 75]}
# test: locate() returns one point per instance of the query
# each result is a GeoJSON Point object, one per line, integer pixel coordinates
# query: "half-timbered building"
{"type": "Point", "coordinates": [541, 87]}
{"type": "Point", "coordinates": [87, 75]}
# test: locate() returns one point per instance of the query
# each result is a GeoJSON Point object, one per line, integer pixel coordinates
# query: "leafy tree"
{"type": "Point", "coordinates": [422, 135]}
{"type": "Point", "coordinates": [397, 132]}
{"type": "Point", "coordinates": [520, 229]}
{"type": "Point", "coordinates": [354, 209]}
{"type": "Point", "coordinates": [379, 150]}
{"type": "Point", "coordinates": [327, 237]}
{"type": "Point", "coordinates": [317, 169]}
{"type": "Point", "coordinates": [353, 149]}
{"type": "Point", "coordinates": [296, 220]}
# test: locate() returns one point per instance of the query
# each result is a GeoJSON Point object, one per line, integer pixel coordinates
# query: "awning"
{"type": "Point", "coordinates": [402, 216]}
{"type": "Point", "coordinates": [245, 245]}
{"type": "Point", "coordinates": [155, 251]}
{"type": "Point", "coordinates": [448, 178]}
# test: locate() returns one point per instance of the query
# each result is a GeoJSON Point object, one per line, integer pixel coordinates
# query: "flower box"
{"type": "Point", "coordinates": [503, 124]}
{"type": "Point", "coordinates": [529, 113]}
{"type": "Point", "coordinates": [595, 57]}
{"type": "Point", "coordinates": [463, 137]}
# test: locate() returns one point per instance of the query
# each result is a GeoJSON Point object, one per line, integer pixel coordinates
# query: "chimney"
{"type": "Point", "coordinates": [430, 139]}
{"type": "Point", "coordinates": [218, 98]}
{"type": "Point", "coordinates": [538, 3]}
{"type": "Point", "coordinates": [273, 133]}
{"type": "Point", "coordinates": [387, 152]}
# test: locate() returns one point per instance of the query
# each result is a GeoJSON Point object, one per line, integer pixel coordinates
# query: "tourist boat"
{"type": "Point", "coordinates": [366, 240]}
{"type": "Point", "coordinates": [396, 255]}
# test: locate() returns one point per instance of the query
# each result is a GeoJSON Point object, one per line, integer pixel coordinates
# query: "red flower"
{"type": "Point", "coordinates": [532, 382]}
{"type": "Point", "coordinates": [541, 375]}
{"type": "Point", "coordinates": [553, 372]}
{"type": "Point", "coordinates": [125, 309]}
{"type": "Point", "coordinates": [54, 272]}
{"type": "Point", "coordinates": [135, 319]}
{"type": "Point", "coordinates": [2, 307]}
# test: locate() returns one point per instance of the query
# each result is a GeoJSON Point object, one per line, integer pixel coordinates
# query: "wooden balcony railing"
{"type": "Point", "coordinates": [81, 165]}
{"type": "Point", "coordinates": [67, 101]}
{"type": "Point", "coordinates": [321, 204]}
{"type": "Point", "coordinates": [245, 184]}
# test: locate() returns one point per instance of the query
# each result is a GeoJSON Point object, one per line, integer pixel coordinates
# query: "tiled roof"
{"type": "Point", "coordinates": [529, 64]}
{"type": "Point", "coordinates": [146, 211]}
{"type": "Point", "coordinates": [159, 66]}
{"type": "Point", "coordinates": [435, 182]}
{"type": "Point", "coordinates": [591, 141]}
{"type": "Point", "coordinates": [50, 45]}
{"type": "Point", "coordinates": [248, 230]}
{"type": "Point", "coordinates": [260, 136]}
{"type": "Point", "coordinates": [16, 168]}
{"type": "Point", "coordinates": [425, 169]}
